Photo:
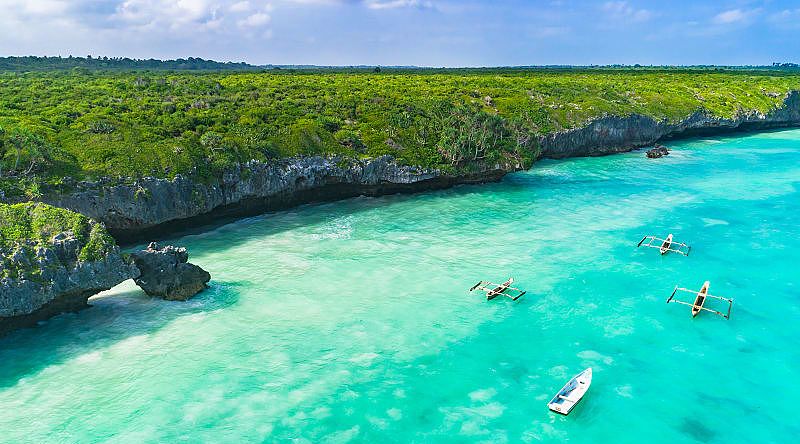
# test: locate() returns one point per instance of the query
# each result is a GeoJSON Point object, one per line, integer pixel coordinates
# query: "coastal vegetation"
{"type": "Point", "coordinates": [26, 227]}
{"type": "Point", "coordinates": [64, 125]}
{"type": "Point", "coordinates": [34, 63]}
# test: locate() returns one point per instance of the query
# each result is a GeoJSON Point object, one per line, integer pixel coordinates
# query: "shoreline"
{"type": "Point", "coordinates": [255, 206]}
{"type": "Point", "coordinates": [328, 192]}
{"type": "Point", "coordinates": [208, 222]}
{"type": "Point", "coordinates": [153, 209]}
{"type": "Point", "coordinates": [181, 204]}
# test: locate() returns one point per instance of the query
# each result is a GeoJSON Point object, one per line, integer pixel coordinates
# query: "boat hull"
{"type": "Point", "coordinates": [571, 394]}
{"type": "Point", "coordinates": [499, 290]}
{"type": "Point", "coordinates": [567, 412]}
{"type": "Point", "coordinates": [700, 299]}
{"type": "Point", "coordinates": [666, 245]}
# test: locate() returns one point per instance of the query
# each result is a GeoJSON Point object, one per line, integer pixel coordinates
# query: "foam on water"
{"type": "Point", "coordinates": [350, 321]}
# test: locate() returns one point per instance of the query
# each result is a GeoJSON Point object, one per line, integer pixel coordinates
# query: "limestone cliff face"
{"type": "Point", "coordinates": [131, 212]}
{"type": "Point", "coordinates": [614, 134]}
{"type": "Point", "coordinates": [40, 281]}
{"type": "Point", "coordinates": [150, 207]}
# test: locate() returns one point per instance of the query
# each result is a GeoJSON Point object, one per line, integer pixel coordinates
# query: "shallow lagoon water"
{"type": "Point", "coordinates": [350, 321]}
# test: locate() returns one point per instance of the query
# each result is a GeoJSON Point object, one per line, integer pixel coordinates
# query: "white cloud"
{"type": "Point", "coordinates": [731, 16]}
{"type": "Point", "coordinates": [394, 4]}
{"type": "Point", "coordinates": [622, 10]}
{"type": "Point", "coordinates": [182, 18]}
{"type": "Point", "coordinates": [166, 13]}
{"type": "Point", "coordinates": [371, 4]}
{"type": "Point", "coordinates": [256, 20]}
{"type": "Point", "coordinates": [786, 18]}
{"type": "Point", "coordinates": [240, 7]}
{"type": "Point", "coordinates": [316, 2]}
{"type": "Point", "coordinates": [42, 7]}
{"type": "Point", "coordinates": [735, 16]}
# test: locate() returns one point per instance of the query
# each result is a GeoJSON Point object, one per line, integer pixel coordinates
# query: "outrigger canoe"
{"type": "Point", "coordinates": [697, 307]}
{"type": "Point", "coordinates": [494, 290]}
{"type": "Point", "coordinates": [666, 244]}
{"type": "Point", "coordinates": [569, 396]}
{"type": "Point", "coordinates": [700, 299]}
{"type": "Point", "coordinates": [497, 291]}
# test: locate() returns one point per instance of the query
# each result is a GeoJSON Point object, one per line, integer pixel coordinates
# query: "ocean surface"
{"type": "Point", "coordinates": [351, 321]}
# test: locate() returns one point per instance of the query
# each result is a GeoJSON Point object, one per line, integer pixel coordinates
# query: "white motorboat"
{"type": "Point", "coordinates": [566, 398]}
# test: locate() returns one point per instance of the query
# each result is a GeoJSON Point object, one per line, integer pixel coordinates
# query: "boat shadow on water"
{"type": "Point", "coordinates": [108, 320]}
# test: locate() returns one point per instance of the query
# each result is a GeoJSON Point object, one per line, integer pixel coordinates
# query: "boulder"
{"type": "Point", "coordinates": [166, 273]}
{"type": "Point", "coordinates": [658, 151]}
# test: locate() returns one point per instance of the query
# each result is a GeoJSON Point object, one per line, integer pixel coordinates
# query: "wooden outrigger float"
{"type": "Point", "coordinates": [665, 245]}
{"type": "Point", "coordinates": [494, 290]}
{"type": "Point", "coordinates": [700, 299]}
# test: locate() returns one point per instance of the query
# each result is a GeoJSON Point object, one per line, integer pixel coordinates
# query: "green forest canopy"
{"type": "Point", "coordinates": [90, 124]}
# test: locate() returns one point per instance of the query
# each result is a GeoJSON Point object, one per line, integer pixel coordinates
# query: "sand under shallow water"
{"type": "Point", "coordinates": [350, 322]}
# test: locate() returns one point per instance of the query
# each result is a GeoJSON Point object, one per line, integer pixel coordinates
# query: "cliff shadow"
{"type": "Point", "coordinates": [251, 207]}
{"type": "Point", "coordinates": [123, 312]}
{"type": "Point", "coordinates": [287, 219]}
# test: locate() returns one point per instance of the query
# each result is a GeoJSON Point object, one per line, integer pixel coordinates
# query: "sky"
{"type": "Point", "coordinates": [409, 32]}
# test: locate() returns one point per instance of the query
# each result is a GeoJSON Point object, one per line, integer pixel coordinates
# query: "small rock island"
{"type": "Point", "coordinates": [166, 273]}
{"type": "Point", "coordinates": [657, 152]}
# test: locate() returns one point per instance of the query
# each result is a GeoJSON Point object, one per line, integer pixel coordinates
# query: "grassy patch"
{"type": "Point", "coordinates": [29, 225]}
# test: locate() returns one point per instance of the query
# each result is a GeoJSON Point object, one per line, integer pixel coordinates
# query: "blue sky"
{"type": "Point", "coordinates": [409, 32]}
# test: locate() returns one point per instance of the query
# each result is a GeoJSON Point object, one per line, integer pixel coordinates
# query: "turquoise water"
{"type": "Point", "coordinates": [350, 321]}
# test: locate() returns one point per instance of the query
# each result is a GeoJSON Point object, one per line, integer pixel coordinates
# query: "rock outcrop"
{"type": "Point", "coordinates": [166, 273]}
{"type": "Point", "coordinates": [657, 152]}
{"type": "Point", "coordinates": [53, 260]}
{"type": "Point", "coordinates": [42, 280]}
{"type": "Point", "coordinates": [141, 210]}
{"type": "Point", "coordinates": [615, 134]}
{"type": "Point", "coordinates": [38, 282]}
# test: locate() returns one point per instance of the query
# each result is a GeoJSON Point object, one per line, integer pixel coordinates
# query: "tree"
{"type": "Point", "coordinates": [33, 149]}
{"type": "Point", "coordinates": [2, 149]}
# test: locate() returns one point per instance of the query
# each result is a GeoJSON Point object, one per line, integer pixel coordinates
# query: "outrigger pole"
{"type": "Point", "coordinates": [665, 245]}
{"type": "Point", "coordinates": [493, 290]}
{"type": "Point", "coordinates": [700, 307]}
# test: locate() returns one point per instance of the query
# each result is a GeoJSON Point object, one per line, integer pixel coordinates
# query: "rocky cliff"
{"type": "Point", "coordinates": [615, 134]}
{"type": "Point", "coordinates": [45, 272]}
{"type": "Point", "coordinates": [42, 280]}
{"type": "Point", "coordinates": [53, 260]}
{"type": "Point", "coordinates": [140, 210]}
{"type": "Point", "coordinates": [150, 207]}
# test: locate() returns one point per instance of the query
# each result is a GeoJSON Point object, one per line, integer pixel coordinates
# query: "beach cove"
{"type": "Point", "coordinates": [351, 321]}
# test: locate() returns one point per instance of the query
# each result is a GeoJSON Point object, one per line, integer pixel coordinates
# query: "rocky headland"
{"type": "Point", "coordinates": [73, 258]}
